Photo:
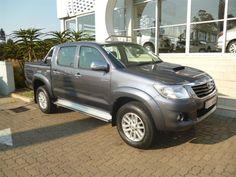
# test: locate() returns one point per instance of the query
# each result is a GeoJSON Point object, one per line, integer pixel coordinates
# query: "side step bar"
{"type": "Point", "coordinates": [97, 113]}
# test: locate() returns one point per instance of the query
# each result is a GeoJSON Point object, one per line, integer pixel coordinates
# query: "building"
{"type": "Point", "coordinates": [197, 33]}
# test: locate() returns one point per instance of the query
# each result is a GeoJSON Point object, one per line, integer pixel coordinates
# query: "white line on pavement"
{"type": "Point", "coordinates": [5, 137]}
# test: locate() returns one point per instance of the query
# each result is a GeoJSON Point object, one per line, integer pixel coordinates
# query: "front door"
{"type": "Point", "coordinates": [92, 87]}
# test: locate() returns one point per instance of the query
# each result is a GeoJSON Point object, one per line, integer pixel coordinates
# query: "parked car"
{"type": "Point", "coordinates": [124, 84]}
{"type": "Point", "coordinates": [230, 40]}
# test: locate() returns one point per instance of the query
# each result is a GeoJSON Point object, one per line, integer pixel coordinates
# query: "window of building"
{"type": "Point", "coordinates": [145, 21]}
{"type": "Point", "coordinates": [119, 15]}
{"type": "Point", "coordinates": [207, 22]}
{"type": "Point", "coordinates": [71, 24]}
{"type": "Point", "coordinates": [86, 23]}
{"type": "Point", "coordinates": [232, 9]}
{"type": "Point", "coordinates": [203, 37]}
{"type": "Point", "coordinates": [66, 56]}
{"type": "Point", "coordinates": [231, 36]}
{"type": "Point", "coordinates": [88, 55]}
{"type": "Point", "coordinates": [173, 26]}
{"type": "Point", "coordinates": [173, 12]}
{"type": "Point", "coordinates": [207, 10]}
{"type": "Point", "coordinates": [145, 15]}
{"type": "Point", "coordinates": [172, 39]}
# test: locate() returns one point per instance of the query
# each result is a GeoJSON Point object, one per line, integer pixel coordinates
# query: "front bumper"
{"type": "Point", "coordinates": [182, 114]}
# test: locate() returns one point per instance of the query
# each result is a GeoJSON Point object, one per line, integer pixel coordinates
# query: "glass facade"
{"type": "Point", "coordinates": [144, 24]}
{"type": "Point", "coordinates": [119, 16]}
{"type": "Point", "coordinates": [201, 27]}
{"type": "Point", "coordinates": [186, 26]}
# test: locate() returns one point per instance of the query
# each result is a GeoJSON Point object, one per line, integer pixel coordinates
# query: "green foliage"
{"type": "Point", "coordinates": [28, 40]}
{"type": "Point", "coordinates": [28, 45]}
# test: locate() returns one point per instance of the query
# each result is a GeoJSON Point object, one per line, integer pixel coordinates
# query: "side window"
{"type": "Point", "coordinates": [66, 56]}
{"type": "Point", "coordinates": [88, 55]}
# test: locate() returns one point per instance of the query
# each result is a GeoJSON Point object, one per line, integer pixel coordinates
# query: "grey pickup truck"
{"type": "Point", "coordinates": [124, 84]}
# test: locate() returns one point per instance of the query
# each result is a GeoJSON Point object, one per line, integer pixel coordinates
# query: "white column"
{"type": "Point", "coordinates": [188, 27]}
{"type": "Point", "coordinates": [104, 19]}
{"type": "Point", "coordinates": [129, 17]}
{"type": "Point", "coordinates": [7, 82]}
{"type": "Point", "coordinates": [225, 27]}
{"type": "Point", "coordinates": [62, 23]}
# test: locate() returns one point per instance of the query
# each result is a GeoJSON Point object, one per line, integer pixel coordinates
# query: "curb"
{"type": "Point", "coordinates": [23, 98]}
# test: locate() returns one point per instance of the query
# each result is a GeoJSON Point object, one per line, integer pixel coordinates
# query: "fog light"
{"type": "Point", "coordinates": [180, 117]}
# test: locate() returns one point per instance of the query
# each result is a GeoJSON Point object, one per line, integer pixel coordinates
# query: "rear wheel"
{"type": "Point", "coordinates": [43, 100]}
{"type": "Point", "coordinates": [149, 47]}
{"type": "Point", "coordinates": [135, 126]}
{"type": "Point", "coordinates": [232, 47]}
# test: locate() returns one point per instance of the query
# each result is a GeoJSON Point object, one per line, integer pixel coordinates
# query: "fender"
{"type": "Point", "coordinates": [45, 80]}
{"type": "Point", "coordinates": [143, 97]}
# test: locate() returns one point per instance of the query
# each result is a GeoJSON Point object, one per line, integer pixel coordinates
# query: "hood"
{"type": "Point", "coordinates": [168, 73]}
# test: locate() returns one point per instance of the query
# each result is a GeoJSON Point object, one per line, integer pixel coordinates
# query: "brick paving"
{"type": "Point", "coordinates": [70, 144]}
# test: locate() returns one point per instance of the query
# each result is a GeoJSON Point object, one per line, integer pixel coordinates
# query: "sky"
{"type": "Point", "coordinates": [24, 14]}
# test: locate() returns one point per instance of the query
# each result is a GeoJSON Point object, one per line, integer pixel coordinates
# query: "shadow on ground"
{"type": "Point", "coordinates": [44, 134]}
{"type": "Point", "coordinates": [211, 131]}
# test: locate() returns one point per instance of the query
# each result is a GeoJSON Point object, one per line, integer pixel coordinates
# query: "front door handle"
{"type": "Point", "coordinates": [56, 72]}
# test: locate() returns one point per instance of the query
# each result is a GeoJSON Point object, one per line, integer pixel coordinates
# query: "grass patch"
{"type": "Point", "coordinates": [26, 93]}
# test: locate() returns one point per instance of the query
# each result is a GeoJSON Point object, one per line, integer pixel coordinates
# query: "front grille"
{"type": "Point", "coordinates": [205, 89]}
{"type": "Point", "coordinates": [201, 112]}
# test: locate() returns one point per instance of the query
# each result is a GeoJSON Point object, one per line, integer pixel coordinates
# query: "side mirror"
{"type": "Point", "coordinates": [99, 66]}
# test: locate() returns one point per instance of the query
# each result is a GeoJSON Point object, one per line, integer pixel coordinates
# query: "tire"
{"type": "Point", "coordinates": [129, 116]}
{"type": "Point", "coordinates": [231, 48]}
{"type": "Point", "coordinates": [149, 47]}
{"type": "Point", "coordinates": [43, 100]}
{"type": "Point", "coordinates": [202, 50]}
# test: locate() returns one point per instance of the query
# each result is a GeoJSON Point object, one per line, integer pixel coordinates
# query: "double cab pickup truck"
{"type": "Point", "coordinates": [124, 84]}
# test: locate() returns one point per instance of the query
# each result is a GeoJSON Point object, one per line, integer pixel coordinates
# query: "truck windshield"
{"type": "Point", "coordinates": [131, 54]}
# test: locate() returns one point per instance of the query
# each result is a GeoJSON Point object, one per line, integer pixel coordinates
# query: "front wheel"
{"type": "Point", "coordinates": [135, 126]}
{"type": "Point", "coordinates": [43, 100]}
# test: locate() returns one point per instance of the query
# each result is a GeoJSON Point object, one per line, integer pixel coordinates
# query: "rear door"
{"type": "Point", "coordinates": [63, 69]}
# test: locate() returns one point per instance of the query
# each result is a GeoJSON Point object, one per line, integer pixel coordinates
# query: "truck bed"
{"type": "Point", "coordinates": [31, 68]}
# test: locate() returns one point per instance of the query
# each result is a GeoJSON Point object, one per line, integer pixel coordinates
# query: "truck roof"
{"type": "Point", "coordinates": [92, 43]}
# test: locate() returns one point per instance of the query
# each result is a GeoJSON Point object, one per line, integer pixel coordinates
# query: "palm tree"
{"type": "Point", "coordinates": [60, 37]}
{"type": "Point", "coordinates": [80, 36]}
{"type": "Point", "coordinates": [28, 39]}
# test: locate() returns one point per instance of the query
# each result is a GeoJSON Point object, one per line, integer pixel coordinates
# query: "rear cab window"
{"type": "Point", "coordinates": [66, 56]}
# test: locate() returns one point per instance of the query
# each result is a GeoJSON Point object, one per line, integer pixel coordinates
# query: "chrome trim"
{"type": "Point", "coordinates": [94, 112]}
{"type": "Point", "coordinates": [205, 115]}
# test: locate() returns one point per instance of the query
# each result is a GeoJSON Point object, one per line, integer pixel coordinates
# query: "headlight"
{"type": "Point", "coordinates": [172, 91]}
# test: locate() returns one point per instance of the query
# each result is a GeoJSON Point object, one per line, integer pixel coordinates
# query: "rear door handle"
{"type": "Point", "coordinates": [77, 75]}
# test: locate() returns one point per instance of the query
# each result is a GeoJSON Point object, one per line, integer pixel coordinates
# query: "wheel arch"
{"type": "Point", "coordinates": [38, 81]}
{"type": "Point", "coordinates": [126, 95]}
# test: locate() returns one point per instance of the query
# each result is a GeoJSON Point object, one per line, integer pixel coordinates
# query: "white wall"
{"type": "Point", "coordinates": [7, 83]}
{"type": "Point", "coordinates": [221, 67]}
{"type": "Point", "coordinates": [104, 19]}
